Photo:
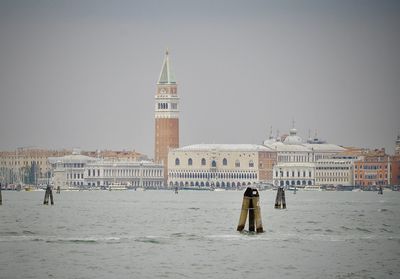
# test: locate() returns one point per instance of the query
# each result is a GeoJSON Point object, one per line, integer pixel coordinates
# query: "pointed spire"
{"type": "Point", "coordinates": [166, 75]}
{"type": "Point", "coordinates": [270, 133]}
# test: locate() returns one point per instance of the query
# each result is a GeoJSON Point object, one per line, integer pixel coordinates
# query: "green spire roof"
{"type": "Point", "coordinates": [166, 75]}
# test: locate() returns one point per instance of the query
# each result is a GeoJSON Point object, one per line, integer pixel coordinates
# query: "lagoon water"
{"type": "Point", "coordinates": [158, 234]}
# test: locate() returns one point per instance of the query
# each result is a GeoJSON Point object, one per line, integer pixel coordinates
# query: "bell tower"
{"type": "Point", "coordinates": [166, 115]}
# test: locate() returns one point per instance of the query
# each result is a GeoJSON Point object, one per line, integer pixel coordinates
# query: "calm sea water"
{"type": "Point", "coordinates": [158, 234]}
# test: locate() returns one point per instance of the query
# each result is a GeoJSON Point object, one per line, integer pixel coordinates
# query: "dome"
{"type": "Point", "coordinates": [293, 138]}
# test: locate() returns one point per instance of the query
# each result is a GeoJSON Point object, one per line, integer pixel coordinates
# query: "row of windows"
{"type": "Point", "coordinates": [73, 165]}
{"type": "Point", "coordinates": [370, 167]}
{"type": "Point", "coordinates": [208, 175]}
{"type": "Point", "coordinates": [125, 172]}
{"type": "Point", "coordinates": [145, 183]}
{"type": "Point", "coordinates": [288, 159]}
{"type": "Point", "coordinates": [75, 176]}
{"type": "Point", "coordinates": [368, 176]}
{"type": "Point", "coordinates": [213, 162]}
{"type": "Point", "coordinates": [333, 168]}
{"type": "Point", "coordinates": [223, 184]}
{"type": "Point", "coordinates": [165, 106]}
{"type": "Point", "coordinates": [340, 179]}
{"type": "Point", "coordinates": [293, 182]}
{"type": "Point", "coordinates": [293, 174]}
{"type": "Point", "coordinates": [337, 174]}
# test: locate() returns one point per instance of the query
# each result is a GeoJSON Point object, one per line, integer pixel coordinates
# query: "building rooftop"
{"type": "Point", "coordinates": [224, 147]}
{"type": "Point", "coordinates": [166, 75]}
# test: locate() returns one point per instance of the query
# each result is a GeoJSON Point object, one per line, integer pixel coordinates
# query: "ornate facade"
{"type": "Point", "coordinates": [220, 165]}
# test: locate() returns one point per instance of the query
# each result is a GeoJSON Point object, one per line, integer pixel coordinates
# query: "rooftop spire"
{"type": "Point", "coordinates": [166, 75]}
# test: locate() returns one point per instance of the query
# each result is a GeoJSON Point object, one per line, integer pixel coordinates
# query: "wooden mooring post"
{"type": "Point", "coordinates": [47, 195]}
{"type": "Point", "coordinates": [251, 205]}
{"type": "Point", "coordinates": [280, 201]}
{"type": "Point", "coordinates": [1, 198]}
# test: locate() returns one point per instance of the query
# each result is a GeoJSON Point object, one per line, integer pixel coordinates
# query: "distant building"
{"type": "Point", "coordinates": [78, 171]}
{"type": "Point", "coordinates": [395, 170]}
{"type": "Point", "coordinates": [296, 159]}
{"type": "Point", "coordinates": [372, 169]}
{"type": "Point", "coordinates": [144, 174]}
{"type": "Point", "coordinates": [220, 165]}
{"type": "Point", "coordinates": [68, 172]}
{"type": "Point", "coordinates": [27, 165]}
{"type": "Point", "coordinates": [397, 148]}
{"type": "Point", "coordinates": [166, 115]}
{"type": "Point", "coordinates": [334, 172]}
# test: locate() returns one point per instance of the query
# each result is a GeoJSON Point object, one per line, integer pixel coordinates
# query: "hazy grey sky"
{"type": "Point", "coordinates": [83, 73]}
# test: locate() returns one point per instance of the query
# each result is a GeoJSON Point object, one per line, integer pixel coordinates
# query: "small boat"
{"type": "Point", "coordinates": [312, 188]}
{"type": "Point", "coordinates": [117, 187]}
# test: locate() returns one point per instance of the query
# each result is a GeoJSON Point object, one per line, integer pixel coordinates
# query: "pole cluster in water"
{"type": "Point", "coordinates": [280, 201]}
{"type": "Point", "coordinates": [251, 205]}
{"type": "Point", "coordinates": [49, 193]}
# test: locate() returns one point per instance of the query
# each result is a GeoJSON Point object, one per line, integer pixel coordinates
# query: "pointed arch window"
{"type": "Point", "coordinates": [190, 162]}
{"type": "Point", "coordinates": [203, 162]}
{"type": "Point", "coordinates": [177, 162]}
{"type": "Point", "coordinates": [213, 164]}
{"type": "Point", "coordinates": [224, 162]}
{"type": "Point", "coordinates": [251, 164]}
{"type": "Point", "coordinates": [237, 163]}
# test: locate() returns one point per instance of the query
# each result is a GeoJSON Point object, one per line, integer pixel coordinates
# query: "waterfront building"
{"type": "Point", "coordinates": [296, 159]}
{"type": "Point", "coordinates": [166, 115]}
{"type": "Point", "coordinates": [132, 174]}
{"type": "Point", "coordinates": [68, 171]}
{"type": "Point", "coordinates": [27, 165]}
{"type": "Point", "coordinates": [334, 172]}
{"type": "Point", "coordinates": [397, 148]}
{"type": "Point", "coordinates": [395, 170]}
{"type": "Point", "coordinates": [220, 165]}
{"type": "Point", "coordinates": [372, 170]}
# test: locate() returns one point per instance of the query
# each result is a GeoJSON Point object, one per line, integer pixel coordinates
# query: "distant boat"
{"type": "Point", "coordinates": [117, 187]}
{"type": "Point", "coordinates": [219, 190]}
{"type": "Point", "coordinates": [312, 188]}
{"type": "Point", "coordinates": [356, 190]}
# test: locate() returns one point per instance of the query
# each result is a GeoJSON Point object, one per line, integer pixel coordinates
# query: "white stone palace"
{"type": "Point", "coordinates": [219, 165]}
{"type": "Point", "coordinates": [295, 166]}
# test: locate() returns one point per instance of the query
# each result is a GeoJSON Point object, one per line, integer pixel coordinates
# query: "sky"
{"type": "Point", "coordinates": [83, 74]}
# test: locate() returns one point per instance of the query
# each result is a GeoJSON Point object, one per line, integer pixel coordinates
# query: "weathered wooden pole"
{"type": "Point", "coordinates": [251, 216]}
{"type": "Point", "coordinates": [47, 195]}
{"type": "Point", "coordinates": [1, 198]}
{"type": "Point", "coordinates": [257, 213]}
{"type": "Point", "coordinates": [51, 195]}
{"type": "Point", "coordinates": [251, 206]}
{"type": "Point", "coordinates": [243, 213]}
{"type": "Point", "coordinates": [280, 201]}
